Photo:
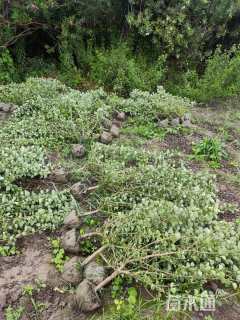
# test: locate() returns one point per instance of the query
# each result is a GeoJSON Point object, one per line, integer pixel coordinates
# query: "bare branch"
{"type": "Point", "coordinates": [94, 255]}
{"type": "Point", "coordinates": [89, 235]}
{"type": "Point", "coordinates": [90, 213]}
{"type": "Point", "coordinates": [109, 279]}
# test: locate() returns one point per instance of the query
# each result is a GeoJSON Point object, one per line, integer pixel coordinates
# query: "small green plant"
{"type": "Point", "coordinates": [58, 253]}
{"type": "Point", "coordinates": [210, 149]}
{"type": "Point", "coordinates": [120, 286]}
{"type": "Point", "coordinates": [91, 222]}
{"type": "Point", "coordinates": [29, 291]}
{"type": "Point", "coordinates": [13, 314]}
{"type": "Point", "coordinates": [126, 309]}
{"type": "Point", "coordinates": [88, 246]}
{"type": "Point", "coordinates": [117, 287]}
{"type": "Point", "coordinates": [146, 131]}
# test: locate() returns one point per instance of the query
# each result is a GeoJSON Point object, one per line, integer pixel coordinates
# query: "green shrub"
{"type": "Point", "coordinates": [163, 226]}
{"type": "Point", "coordinates": [7, 68]}
{"type": "Point", "coordinates": [119, 70]}
{"type": "Point", "coordinates": [125, 175]}
{"type": "Point", "coordinates": [220, 78]}
{"type": "Point", "coordinates": [39, 67]}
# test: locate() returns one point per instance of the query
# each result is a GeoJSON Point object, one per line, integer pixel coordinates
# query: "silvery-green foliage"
{"type": "Point", "coordinates": [188, 251]}
{"type": "Point", "coordinates": [149, 106]}
{"type": "Point", "coordinates": [22, 162]}
{"type": "Point", "coordinates": [51, 115]}
{"type": "Point", "coordinates": [19, 93]}
{"type": "Point", "coordinates": [25, 212]}
{"type": "Point", "coordinates": [125, 176]}
{"type": "Point", "coordinates": [159, 208]}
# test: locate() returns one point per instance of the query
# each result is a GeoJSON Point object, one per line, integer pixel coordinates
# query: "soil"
{"type": "Point", "coordinates": [177, 142]}
{"type": "Point", "coordinates": [227, 311]}
{"type": "Point", "coordinates": [33, 266]}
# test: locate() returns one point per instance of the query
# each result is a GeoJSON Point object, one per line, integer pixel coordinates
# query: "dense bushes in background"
{"type": "Point", "coordinates": [187, 30]}
{"type": "Point", "coordinates": [123, 45]}
{"type": "Point", "coordinates": [118, 70]}
{"type": "Point", "coordinates": [220, 79]}
{"type": "Point", "coordinates": [7, 68]}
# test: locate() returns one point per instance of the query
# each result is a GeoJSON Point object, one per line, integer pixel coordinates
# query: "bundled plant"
{"type": "Point", "coordinates": [24, 212]}
{"type": "Point", "coordinates": [163, 228]}
{"type": "Point", "coordinates": [125, 175]}
{"type": "Point", "coordinates": [171, 248]}
{"type": "Point", "coordinates": [25, 141]}
{"type": "Point", "coordinates": [21, 162]}
{"type": "Point", "coordinates": [150, 106]}
{"type": "Point", "coordinates": [43, 103]}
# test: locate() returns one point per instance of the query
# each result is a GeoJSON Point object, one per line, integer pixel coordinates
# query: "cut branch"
{"type": "Point", "coordinates": [92, 188]}
{"type": "Point", "coordinates": [89, 235]}
{"type": "Point", "coordinates": [109, 278]}
{"type": "Point", "coordinates": [126, 272]}
{"type": "Point", "coordinates": [94, 255]}
{"type": "Point", "coordinates": [90, 213]}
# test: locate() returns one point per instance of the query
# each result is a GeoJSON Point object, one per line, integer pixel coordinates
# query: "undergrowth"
{"type": "Point", "coordinates": [163, 228]}
{"type": "Point", "coordinates": [210, 149]}
{"type": "Point", "coordinates": [220, 78]}
{"type": "Point", "coordinates": [50, 116]}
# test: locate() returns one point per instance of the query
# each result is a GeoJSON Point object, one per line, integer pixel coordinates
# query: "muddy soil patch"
{"type": "Point", "coordinates": [176, 142]}
{"type": "Point", "coordinates": [41, 184]}
{"type": "Point", "coordinates": [227, 194]}
{"type": "Point", "coordinates": [227, 311]}
{"type": "Point", "coordinates": [17, 271]}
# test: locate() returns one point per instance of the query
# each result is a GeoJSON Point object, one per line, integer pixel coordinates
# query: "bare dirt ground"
{"type": "Point", "coordinates": [33, 267]}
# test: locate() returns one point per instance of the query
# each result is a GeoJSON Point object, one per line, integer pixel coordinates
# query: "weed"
{"type": "Point", "coordinates": [88, 246]}
{"type": "Point", "coordinates": [29, 291]}
{"type": "Point", "coordinates": [146, 131]}
{"type": "Point", "coordinates": [14, 314]}
{"type": "Point", "coordinates": [119, 286]}
{"type": "Point", "coordinates": [58, 253]}
{"type": "Point", "coordinates": [210, 149]}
